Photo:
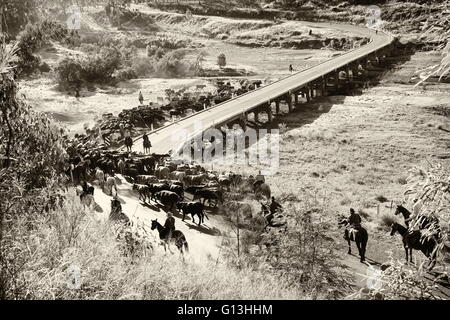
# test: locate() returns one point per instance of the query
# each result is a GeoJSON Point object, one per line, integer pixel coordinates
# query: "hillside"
{"type": "Point", "coordinates": [422, 20]}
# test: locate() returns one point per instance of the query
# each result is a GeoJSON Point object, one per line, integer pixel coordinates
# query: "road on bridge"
{"type": "Point", "coordinates": [166, 139]}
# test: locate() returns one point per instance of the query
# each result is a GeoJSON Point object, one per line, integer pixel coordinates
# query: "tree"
{"type": "Point", "coordinates": [16, 14]}
{"type": "Point", "coordinates": [221, 60]}
{"type": "Point", "coordinates": [69, 74]}
{"type": "Point", "coordinates": [8, 90]}
{"type": "Point", "coordinates": [32, 152]}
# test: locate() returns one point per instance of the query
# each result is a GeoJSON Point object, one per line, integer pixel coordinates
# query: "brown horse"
{"type": "Point", "coordinates": [431, 223]}
{"type": "Point", "coordinates": [168, 236]}
{"type": "Point", "coordinates": [418, 241]}
{"type": "Point", "coordinates": [360, 237]}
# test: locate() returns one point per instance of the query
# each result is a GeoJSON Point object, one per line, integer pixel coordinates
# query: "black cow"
{"type": "Point", "coordinates": [157, 187]}
{"type": "Point", "coordinates": [149, 163]}
{"type": "Point", "coordinates": [210, 195]}
{"type": "Point", "coordinates": [193, 208]}
{"type": "Point", "coordinates": [167, 198]}
{"type": "Point", "coordinates": [177, 189]}
{"type": "Point", "coordinates": [194, 189]}
{"type": "Point", "coordinates": [143, 191]}
{"type": "Point", "coordinates": [177, 183]}
{"type": "Point", "coordinates": [131, 172]}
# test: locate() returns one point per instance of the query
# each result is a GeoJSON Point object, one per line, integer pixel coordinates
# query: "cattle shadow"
{"type": "Point", "coordinates": [177, 214]}
{"type": "Point", "coordinates": [368, 262]}
{"type": "Point", "coordinates": [151, 206]}
{"type": "Point", "coordinates": [121, 200]}
{"type": "Point", "coordinates": [155, 206]}
{"type": "Point", "coordinates": [205, 230]}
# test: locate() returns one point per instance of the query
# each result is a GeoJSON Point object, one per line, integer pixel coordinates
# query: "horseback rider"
{"type": "Point", "coordinates": [116, 209]}
{"type": "Point", "coordinates": [354, 223]}
{"type": "Point", "coordinates": [268, 215]}
{"type": "Point", "coordinates": [260, 178]}
{"type": "Point", "coordinates": [128, 140]}
{"type": "Point", "coordinates": [170, 224]}
{"type": "Point", "coordinates": [274, 206]}
{"type": "Point", "coordinates": [146, 142]}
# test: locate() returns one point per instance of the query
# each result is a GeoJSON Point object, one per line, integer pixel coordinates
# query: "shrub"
{"type": "Point", "coordinates": [125, 74]}
{"type": "Point", "coordinates": [173, 65]}
{"type": "Point", "coordinates": [381, 199]}
{"type": "Point", "coordinates": [142, 67]}
{"type": "Point", "coordinates": [69, 73]}
{"type": "Point", "coordinates": [97, 68]}
{"type": "Point", "coordinates": [386, 220]}
{"type": "Point", "coordinates": [101, 66]}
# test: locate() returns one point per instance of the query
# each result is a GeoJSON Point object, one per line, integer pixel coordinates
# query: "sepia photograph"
{"type": "Point", "coordinates": [225, 156]}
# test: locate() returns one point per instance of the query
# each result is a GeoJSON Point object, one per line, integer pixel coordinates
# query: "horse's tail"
{"type": "Point", "coordinates": [185, 245]}
{"type": "Point", "coordinates": [365, 238]}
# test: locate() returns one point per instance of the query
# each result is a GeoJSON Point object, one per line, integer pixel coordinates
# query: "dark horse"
{"type": "Point", "coordinates": [418, 241]}
{"type": "Point", "coordinates": [262, 188]}
{"type": "Point", "coordinates": [168, 236]}
{"type": "Point", "coordinates": [424, 222]}
{"type": "Point", "coordinates": [360, 237]}
{"type": "Point", "coordinates": [128, 143]}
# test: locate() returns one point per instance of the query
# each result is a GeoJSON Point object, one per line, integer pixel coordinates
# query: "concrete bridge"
{"type": "Point", "coordinates": [350, 69]}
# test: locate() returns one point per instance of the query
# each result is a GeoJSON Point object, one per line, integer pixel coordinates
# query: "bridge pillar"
{"type": "Point", "coordinates": [296, 98]}
{"type": "Point", "coordinates": [277, 107]}
{"type": "Point", "coordinates": [256, 113]}
{"type": "Point", "coordinates": [243, 123]}
{"type": "Point", "coordinates": [336, 75]}
{"type": "Point", "coordinates": [324, 86]}
{"type": "Point", "coordinates": [289, 101]}
{"type": "Point", "coordinates": [308, 96]}
{"type": "Point", "coordinates": [269, 113]}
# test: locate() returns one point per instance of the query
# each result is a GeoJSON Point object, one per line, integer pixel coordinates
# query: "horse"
{"type": "Point", "coordinates": [360, 237]}
{"type": "Point", "coordinates": [267, 215]}
{"type": "Point", "coordinates": [423, 222]}
{"type": "Point", "coordinates": [128, 143]}
{"type": "Point", "coordinates": [262, 188]}
{"type": "Point", "coordinates": [116, 211]}
{"type": "Point", "coordinates": [416, 240]}
{"type": "Point", "coordinates": [167, 236]}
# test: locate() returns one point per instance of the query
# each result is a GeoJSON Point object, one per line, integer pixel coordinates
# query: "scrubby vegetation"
{"type": "Point", "coordinates": [110, 59]}
{"type": "Point", "coordinates": [33, 38]}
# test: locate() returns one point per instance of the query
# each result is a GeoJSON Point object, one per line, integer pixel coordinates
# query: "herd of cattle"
{"type": "Point", "coordinates": [156, 177]}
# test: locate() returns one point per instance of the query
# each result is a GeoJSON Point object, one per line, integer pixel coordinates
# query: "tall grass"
{"type": "Point", "coordinates": [71, 236]}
